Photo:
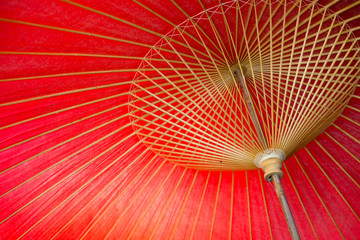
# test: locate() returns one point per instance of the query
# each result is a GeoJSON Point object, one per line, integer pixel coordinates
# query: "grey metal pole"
{"type": "Point", "coordinates": [275, 177]}
{"type": "Point", "coordinates": [285, 207]}
{"type": "Point", "coordinates": [250, 106]}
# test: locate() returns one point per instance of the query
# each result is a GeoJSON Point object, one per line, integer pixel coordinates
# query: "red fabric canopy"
{"type": "Point", "coordinates": [72, 166]}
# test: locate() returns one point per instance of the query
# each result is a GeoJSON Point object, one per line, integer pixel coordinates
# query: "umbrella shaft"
{"type": "Point", "coordinates": [250, 106]}
{"type": "Point", "coordinates": [285, 207]}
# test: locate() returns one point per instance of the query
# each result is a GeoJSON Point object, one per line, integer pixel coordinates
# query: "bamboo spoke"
{"type": "Point", "coordinates": [290, 100]}
{"type": "Point", "coordinates": [237, 79]}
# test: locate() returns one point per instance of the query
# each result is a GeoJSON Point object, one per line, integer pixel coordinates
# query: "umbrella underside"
{"type": "Point", "coordinates": [300, 64]}
{"type": "Point", "coordinates": [129, 119]}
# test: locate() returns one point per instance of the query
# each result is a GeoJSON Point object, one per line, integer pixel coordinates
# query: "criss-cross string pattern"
{"type": "Point", "coordinates": [300, 64]}
{"type": "Point", "coordinates": [78, 132]}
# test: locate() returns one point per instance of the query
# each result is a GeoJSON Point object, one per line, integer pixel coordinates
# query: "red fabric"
{"type": "Point", "coordinates": [72, 167]}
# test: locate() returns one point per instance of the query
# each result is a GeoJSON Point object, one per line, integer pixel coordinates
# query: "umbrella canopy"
{"type": "Point", "coordinates": [129, 119]}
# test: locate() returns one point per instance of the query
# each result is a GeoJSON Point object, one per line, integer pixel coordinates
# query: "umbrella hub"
{"type": "Point", "coordinates": [270, 161]}
{"type": "Point", "coordinates": [243, 66]}
{"type": "Point", "coordinates": [228, 75]}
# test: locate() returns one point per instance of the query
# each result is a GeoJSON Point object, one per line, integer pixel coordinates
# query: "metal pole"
{"type": "Point", "coordinates": [275, 177]}
{"type": "Point", "coordinates": [250, 106]}
{"type": "Point", "coordinates": [285, 207]}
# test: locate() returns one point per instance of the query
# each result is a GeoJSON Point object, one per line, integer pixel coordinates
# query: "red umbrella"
{"type": "Point", "coordinates": [142, 119]}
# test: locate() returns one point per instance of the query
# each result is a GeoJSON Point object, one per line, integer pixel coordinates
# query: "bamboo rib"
{"type": "Point", "coordinates": [314, 94]}
{"type": "Point", "coordinates": [248, 203]}
{"type": "Point", "coordinates": [172, 24]}
{"type": "Point", "coordinates": [184, 203]}
{"type": "Point", "coordinates": [346, 133]}
{"type": "Point", "coordinates": [200, 206]}
{"type": "Point", "coordinates": [263, 114]}
{"type": "Point", "coordinates": [147, 207]}
{"type": "Point", "coordinates": [231, 204]}
{"type": "Point", "coordinates": [217, 69]}
{"type": "Point", "coordinates": [62, 110]}
{"type": "Point", "coordinates": [105, 187]}
{"type": "Point", "coordinates": [342, 147]}
{"type": "Point", "coordinates": [166, 205]}
{"type": "Point", "coordinates": [185, 81]}
{"type": "Point", "coordinates": [63, 143]}
{"type": "Point", "coordinates": [78, 90]}
{"type": "Point", "coordinates": [317, 194]}
{"type": "Point", "coordinates": [221, 95]}
{"type": "Point", "coordinates": [341, 103]}
{"type": "Point", "coordinates": [71, 174]}
{"type": "Point", "coordinates": [115, 201]}
{"type": "Point", "coordinates": [210, 139]}
{"type": "Point", "coordinates": [186, 147]}
{"type": "Point", "coordinates": [93, 35]}
{"type": "Point", "coordinates": [66, 74]}
{"type": "Point", "coordinates": [301, 202]}
{"type": "Point", "coordinates": [127, 22]}
{"type": "Point", "coordinates": [265, 204]}
{"type": "Point", "coordinates": [102, 171]}
{"type": "Point", "coordinates": [98, 194]}
{"type": "Point", "coordinates": [60, 127]}
{"type": "Point", "coordinates": [332, 184]}
{"type": "Point", "coordinates": [277, 125]}
{"type": "Point", "coordinates": [59, 205]}
{"type": "Point", "coordinates": [215, 207]}
{"type": "Point", "coordinates": [186, 105]}
{"type": "Point", "coordinates": [290, 31]}
{"type": "Point", "coordinates": [92, 56]}
{"type": "Point", "coordinates": [283, 123]}
{"type": "Point", "coordinates": [74, 31]}
{"type": "Point", "coordinates": [316, 103]}
{"type": "Point", "coordinates": [282, 129]}
{"type": "Point", "coordinates": [55, 129]}
{"type": "Point", "coordinates": [252, 73]}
